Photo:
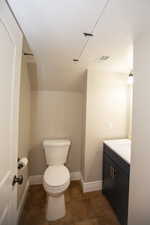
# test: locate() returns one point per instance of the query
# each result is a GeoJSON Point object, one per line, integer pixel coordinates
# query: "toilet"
{"type": "Point", "coordinates": [56, 178]}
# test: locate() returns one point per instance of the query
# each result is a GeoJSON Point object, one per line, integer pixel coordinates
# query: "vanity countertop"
{"type": "Point", "coordinates": [122, 147]}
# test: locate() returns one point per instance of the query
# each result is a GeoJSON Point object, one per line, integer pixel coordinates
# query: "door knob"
{"type": "Point", "coordinates": [18, 180]}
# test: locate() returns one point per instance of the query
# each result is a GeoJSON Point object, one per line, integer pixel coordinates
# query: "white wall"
{"type": "Point", "coordinates": [139, 200]}
{"type": "Point", "coordinates": [130, 110]}
{"type": "Point", "coordinates": [106, 117]}
{"type": "Point", "coordinates": [84, 102]}
{"type": "Point", "coordinates": [55, 114]}
{"type": "Point", "coordinates": [24, 123]}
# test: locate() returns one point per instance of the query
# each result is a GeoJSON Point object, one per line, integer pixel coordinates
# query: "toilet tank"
{"type": "Point", "coordinates": [56, 151]}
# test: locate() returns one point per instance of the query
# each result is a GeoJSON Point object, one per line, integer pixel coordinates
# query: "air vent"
{"type": "Point", "coordinates": [88, 34]}
{"type": "Point", "coordinates": [104, 57]}
{"type": "Point", "coordinates": [75, 60]}
{"type": "Point", "coordinates": [26, 53]}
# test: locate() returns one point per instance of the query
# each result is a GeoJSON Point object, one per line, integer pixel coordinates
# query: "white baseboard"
{"type": "Point", "coordinates": [36, 179]}
{"type": "Point", "coordinates": [75, 175]}
{"type": "Point", "coordinates": [86, 186]}
{"type": "Point", "coordinates": [23, 199]}
{"type": "Point", "coordinates": [91, 186]}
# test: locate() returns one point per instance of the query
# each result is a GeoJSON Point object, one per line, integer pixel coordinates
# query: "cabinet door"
{"type": "Point", "coordinates": [122, 192]}
{"type": "Point", "coordinates": [109, 182]}
{"type": "Point", "coordinates": [116, 188]}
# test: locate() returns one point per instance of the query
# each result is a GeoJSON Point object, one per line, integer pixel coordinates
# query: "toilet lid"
{"type": "Point", "coordinates": [56, 175]}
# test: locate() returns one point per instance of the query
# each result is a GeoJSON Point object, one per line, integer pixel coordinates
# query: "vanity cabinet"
{"type": "Point", "coordinates": [116, 183]}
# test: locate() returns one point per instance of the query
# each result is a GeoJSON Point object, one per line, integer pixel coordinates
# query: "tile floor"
{"type": "Point", "coordinates": [82, 208]}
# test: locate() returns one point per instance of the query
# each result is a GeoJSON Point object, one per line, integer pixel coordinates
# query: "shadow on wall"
{"type": "Point", "coordinates": [55, 114]}
{"type": "Point", "coordinates": [37, 161]}
{"type": "Point", "coordinates": [93, 169]}
{"type": "Point", "coordinates": [32, 72]}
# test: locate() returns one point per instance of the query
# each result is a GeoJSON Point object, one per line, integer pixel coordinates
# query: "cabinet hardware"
{"type": "Point", "coordinates": [112, 172]}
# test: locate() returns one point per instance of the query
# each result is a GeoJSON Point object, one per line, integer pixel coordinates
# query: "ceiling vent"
{"type": "Point", "coordinates": [26, 53]}
{"type": "Point", "coordinates": [88, 34]}
{"type": "Point", "coordinates": [104, 57]}
{"type": "Point", "coordinates": [75, 60]}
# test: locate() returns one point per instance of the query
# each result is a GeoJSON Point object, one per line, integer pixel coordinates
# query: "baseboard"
{"type": "Point", "coordinates": [91, 186]}
{"type": "Point", "coordinates": [36, 179]}
{"type": "Point", "coordinates": [86, 186]}
{"type": "Point", "coordinates": [23, 199]}
{"type": "Point", "coordinates": [75, 175]}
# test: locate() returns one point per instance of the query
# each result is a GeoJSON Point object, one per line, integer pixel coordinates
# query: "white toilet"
{"type": "Point", "coordinates": [56, 178]}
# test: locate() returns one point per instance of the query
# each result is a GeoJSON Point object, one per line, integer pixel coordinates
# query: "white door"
{"type": "Point", "coordinates": [10, 63]}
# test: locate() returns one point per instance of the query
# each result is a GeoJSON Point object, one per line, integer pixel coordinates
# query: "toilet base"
{"type": "Point", "coordinates": [55, 207]}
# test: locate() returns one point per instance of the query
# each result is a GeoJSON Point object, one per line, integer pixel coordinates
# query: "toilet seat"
{"type": "Point", "coordinates": [56, 179]}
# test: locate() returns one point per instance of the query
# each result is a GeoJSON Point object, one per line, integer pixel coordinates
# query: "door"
{"type": "Point", "coordinates": [10, 63]}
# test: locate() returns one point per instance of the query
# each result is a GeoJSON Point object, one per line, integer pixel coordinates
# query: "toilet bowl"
{"type": "Point", "coordinates": [56, 178]}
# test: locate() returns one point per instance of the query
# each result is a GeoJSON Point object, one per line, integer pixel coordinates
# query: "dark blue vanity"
{"type": "Point", "coordinates": [116, 170]}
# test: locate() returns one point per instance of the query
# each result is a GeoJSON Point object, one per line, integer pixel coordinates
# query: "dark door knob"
{"type": "Point", "coordinates": [18, 180]}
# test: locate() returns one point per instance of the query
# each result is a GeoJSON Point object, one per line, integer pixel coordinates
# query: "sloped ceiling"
{"type": "Point", "coordinates": [54, 31]}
